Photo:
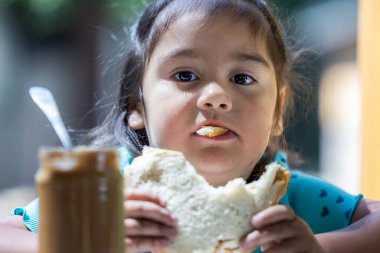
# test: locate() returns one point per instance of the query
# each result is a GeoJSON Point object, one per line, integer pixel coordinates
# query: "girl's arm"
{"type": "Point", "coordinates": [15, 238]}
{"type": "Point", "coordinates": [361, 236]}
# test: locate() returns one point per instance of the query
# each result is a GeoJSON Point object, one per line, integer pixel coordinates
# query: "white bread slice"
{"type": "Point", "coordinates": [209, 219]}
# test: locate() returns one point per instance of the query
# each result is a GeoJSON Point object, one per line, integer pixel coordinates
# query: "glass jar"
{"type": "Point", "coordinates": [80, 201]}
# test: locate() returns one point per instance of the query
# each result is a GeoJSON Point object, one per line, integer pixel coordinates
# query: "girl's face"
{"type": "Point", "coordinates": [211, 74]}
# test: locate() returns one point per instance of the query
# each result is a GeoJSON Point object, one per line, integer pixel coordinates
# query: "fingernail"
{"type": "Point", "coordinates": [173, 233]}
{"type": "Point", "coordinates": [256, 218]}
{"type": "Point", "coordinates": [164, 211]}
{"type": "Point", "coordinates": [250, 240]}
{"type": "Point", "coordinates": [172, 221]}
{"type": "Point", "coordinates": [164, 242]}
{"type": "Point", "coordinates": [257, 221]}
{"type": "Point", "coordinates": [244, 245]}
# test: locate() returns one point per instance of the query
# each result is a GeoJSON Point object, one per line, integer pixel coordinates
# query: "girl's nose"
{"type": "Point", "coordinates": [215, 97]}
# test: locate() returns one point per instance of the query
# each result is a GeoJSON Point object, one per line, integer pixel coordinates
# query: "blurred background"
{"type": "Point", "coordinates": [74, 48]}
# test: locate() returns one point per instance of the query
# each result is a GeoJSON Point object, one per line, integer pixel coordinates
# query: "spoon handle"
{"type": "Point", "coordinates": [45, 101]}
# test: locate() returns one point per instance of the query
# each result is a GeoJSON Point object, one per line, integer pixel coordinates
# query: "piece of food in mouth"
{"type": "Point", "coordinates": [209, 219]}
{"type": "Point", "coordinates": [211, 131]}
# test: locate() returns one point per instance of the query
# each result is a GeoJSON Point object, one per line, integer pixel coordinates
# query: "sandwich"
{"type": "Point", "coordinates": [209, 219]}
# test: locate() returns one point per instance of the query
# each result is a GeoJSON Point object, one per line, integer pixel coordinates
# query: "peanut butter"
{"type": "Point", "coordinates": [81, 201]}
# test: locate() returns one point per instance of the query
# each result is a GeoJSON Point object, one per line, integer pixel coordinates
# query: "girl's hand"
{"type": "Point", "coordinates": [279, 230]}
{"type": "Point", "coordinates": [148, 224]}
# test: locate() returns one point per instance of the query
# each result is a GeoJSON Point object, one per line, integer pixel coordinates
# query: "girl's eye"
{"type": "Point", "coordinates": [242, 79]}
{"type": "Point", "coordinates": [185, 76]}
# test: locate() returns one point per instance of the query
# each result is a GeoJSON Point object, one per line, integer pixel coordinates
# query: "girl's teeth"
{"type": "Point", "coordinates": [211, 131]}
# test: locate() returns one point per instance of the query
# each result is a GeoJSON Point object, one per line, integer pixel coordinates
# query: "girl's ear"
{"type": "Point", "coordinates": [278, 126]}
{"type": "Point", "coordinates": [135, 118]}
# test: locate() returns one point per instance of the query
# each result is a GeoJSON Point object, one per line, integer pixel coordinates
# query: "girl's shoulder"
{"type": "Point", "coordinates": [324, 206]}
{"type": "Point", "coordinates": [125, 158]}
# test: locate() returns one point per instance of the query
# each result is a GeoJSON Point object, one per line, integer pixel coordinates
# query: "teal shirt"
{"type": "Point", "coordinates": [323, 206]}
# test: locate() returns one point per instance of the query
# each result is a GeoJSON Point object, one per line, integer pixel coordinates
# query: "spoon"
{"type": "Point", "coordinates": [45, 101]}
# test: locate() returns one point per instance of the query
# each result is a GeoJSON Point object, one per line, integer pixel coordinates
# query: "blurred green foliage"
{"type": "Point", "coordinates": [42, 17]}
{"type": "Point", "coordinates": [125, 10]}
{"type": "Point", "coordinates": [45, 18]}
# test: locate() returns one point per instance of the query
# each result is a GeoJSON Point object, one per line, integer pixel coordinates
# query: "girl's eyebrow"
{"type": "Point", "coordinates": [237, 56]}
{"type": "Point", "coordinates": [179, 53]}
{"type": "Point", "coordinates": [254, 57]}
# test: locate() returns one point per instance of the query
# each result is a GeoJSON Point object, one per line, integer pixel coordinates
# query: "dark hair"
{"type": "Point", "coordinates": [144, 34]}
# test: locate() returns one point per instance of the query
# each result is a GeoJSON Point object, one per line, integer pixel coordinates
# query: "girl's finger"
{"type": "Point", "coordinates": [143, 227]}
{"type": "Point", "coordinates": [266, 247]}
{"type": "Point", "coordinates": [145, 244]}
{"type": "Point", "coordinates": [273, 214]}
{"type": "Point", "coordinates": [148, 210]}
{"type": "Point", "coordinates": [144, 196]}
{"type": "Point", "coordinates": [271, 234]}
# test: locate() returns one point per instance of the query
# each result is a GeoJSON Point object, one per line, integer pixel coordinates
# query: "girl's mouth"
{"type": "Point", "coordinates": [212, 131]}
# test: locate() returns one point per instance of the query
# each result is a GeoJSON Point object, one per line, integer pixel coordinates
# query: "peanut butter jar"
{"type": "Point", "coordinates": [81, 201]}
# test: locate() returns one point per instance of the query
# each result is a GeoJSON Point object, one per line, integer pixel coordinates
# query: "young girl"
{"type": "Point", "coordinates": [221, 63]}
